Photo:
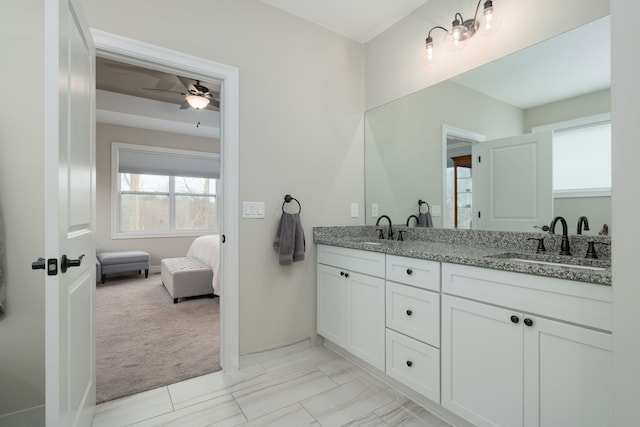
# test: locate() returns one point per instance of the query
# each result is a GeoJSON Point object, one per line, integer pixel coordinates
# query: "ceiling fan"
{"type": "Point", "coordinates": [196, 96]}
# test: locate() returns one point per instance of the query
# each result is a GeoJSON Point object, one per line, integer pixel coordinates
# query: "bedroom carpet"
{"type": "Point", "coordinates": [144, 341]}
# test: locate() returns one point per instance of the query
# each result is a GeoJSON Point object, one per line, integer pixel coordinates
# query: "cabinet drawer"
{"type": "Point", "coordinates": [414, 312]}
{"type": "Point", "coordinates": [415, 272]}
{"type": "Point", "coordinates": [576, 302]}
{"type": "Point", "coordinates": [371, 263]}
{"type": "Point", "coordinates": [414, 364]}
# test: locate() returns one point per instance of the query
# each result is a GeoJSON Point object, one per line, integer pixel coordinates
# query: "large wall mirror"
{"type": "Point", "coordinates": [418, 147]}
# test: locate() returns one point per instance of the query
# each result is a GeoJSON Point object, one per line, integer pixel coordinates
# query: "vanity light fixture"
{"type": "Point", "coordinates": [462, 30]}
{"type": "Point", "coordinates": [197, 102]}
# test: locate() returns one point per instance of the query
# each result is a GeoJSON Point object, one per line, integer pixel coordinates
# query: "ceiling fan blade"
{"type": "Point", "coordinates": [215, 103]}
{"type": "Point", "coordinates": [184, 105]}
{"type": "Point", "coordinates": [187, 84]}
{"type": "Point", "coordinates": [163, 90]}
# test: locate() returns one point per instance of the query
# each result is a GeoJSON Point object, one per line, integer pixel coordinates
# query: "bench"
{"type": "Point", "coordinates": [122, 261]}
{"type": "Point", "coordinates": [193, 275]}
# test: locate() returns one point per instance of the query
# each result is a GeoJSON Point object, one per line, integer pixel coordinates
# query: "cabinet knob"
{"type": "Point", "coordinates": [346, 274]}
{"type": "Point", "coordinates": [528, 322]}
{"type": "Point", "coordinates": [409, 363]}
{"type": "Point", "coordinates": [409, 271]}
{"type": "Point", "coordinates": [409, 312]}
{"type": "Point", "coordinates": [342, 273]}
{"type": "Point", "coordinates": [515, 319]}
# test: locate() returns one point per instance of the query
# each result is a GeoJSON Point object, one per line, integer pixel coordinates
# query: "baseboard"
{"type": "Point", "coordinates": [428, 404]}
{"type": "Point", "coordinates": [32, 417]}
{"type": "Point", "coordinates": [248, 359]}
{"type": "Point", "coordinates": [154, 269]}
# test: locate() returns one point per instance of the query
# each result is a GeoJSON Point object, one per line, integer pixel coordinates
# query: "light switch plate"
{"type": "Point", "coordinates": [253, 210]}
{"type": "Point", "coordinates": [374, 210]}
{"type": "Point", "coordinates": [354, 210]}
{"type": "Point", "coordinates": [435, 210]}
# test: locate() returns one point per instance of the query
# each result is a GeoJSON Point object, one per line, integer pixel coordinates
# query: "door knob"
{"type": "Point", "coordinates": [39, 264]}
{"type": "Point", "coordinates": [65, 262]}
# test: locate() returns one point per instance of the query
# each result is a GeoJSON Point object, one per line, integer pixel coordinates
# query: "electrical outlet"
{"type": "Point", "coordinates": [374, 210]}
{"type": "Point", "coordinates": [435, 210]}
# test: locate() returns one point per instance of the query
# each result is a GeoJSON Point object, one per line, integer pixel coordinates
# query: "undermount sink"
{"type": "Point", "coordinates": [556, 261]}
{"type": "Point", "coordinates": [372, 243]}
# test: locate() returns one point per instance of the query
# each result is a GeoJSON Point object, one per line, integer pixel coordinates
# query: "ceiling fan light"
{"type": "Point", "coordinates": [197, 102]}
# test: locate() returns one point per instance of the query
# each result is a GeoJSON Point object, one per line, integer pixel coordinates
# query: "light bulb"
{"type": "Point", "coordinates": [431, 51]}
{"type": "Point", "coordinates": [491, 19]}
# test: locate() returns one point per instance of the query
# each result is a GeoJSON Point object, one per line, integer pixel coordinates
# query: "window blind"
{"type": "Point", "coordinates": [204, 165]}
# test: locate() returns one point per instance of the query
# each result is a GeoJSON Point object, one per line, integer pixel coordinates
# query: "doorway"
{"type": "Point", "coordinates": [457, 176]}
{"type": "Point", "coordinates": [145, 55]}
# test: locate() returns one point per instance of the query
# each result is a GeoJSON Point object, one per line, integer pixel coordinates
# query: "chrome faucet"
{"type": "Point", "coordinates": [564, 245]}
{"type": "Point", "coordinates": [390, 232]}
{"type": "Point", "coordinates": [585, 221]}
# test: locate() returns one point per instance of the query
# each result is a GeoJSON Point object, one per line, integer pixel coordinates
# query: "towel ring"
{"type": "Point", "coordinates": [422, 202]}
{"type": "Point", "coordinates": [288, 199]}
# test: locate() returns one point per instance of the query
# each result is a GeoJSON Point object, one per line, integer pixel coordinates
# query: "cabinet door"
{"type": "Point", "coordinates": [568, 375]}
{"type": "Point", "coordinates": [366, 329]}
{"type": "Point", "coordinates": [482, 363]}
{"type": "Point", "coordinates": [332, 304]}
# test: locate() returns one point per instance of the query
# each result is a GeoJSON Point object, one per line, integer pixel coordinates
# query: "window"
{"type": "Point", "coordinates": [581, 157]}
{"type": "Point", "coordinates": [162, 192]}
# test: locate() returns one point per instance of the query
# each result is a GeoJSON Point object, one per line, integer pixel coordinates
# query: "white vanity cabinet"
{"type": "Point", "coordinates": [413, 324]}
{"type": "Point", "coordinates": [351, 301]}
{"type": "Point", "coordinates": [523, 350]}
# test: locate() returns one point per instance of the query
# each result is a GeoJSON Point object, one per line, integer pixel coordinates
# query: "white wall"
{"type": "Point", "coordinates": [301, 132]}
{"type": "Point", "coordinates": [157, 248]}
{"type": "Point", "coordinates": [394, 59]}
{"type": "Point", "coordinates": [22, 205]}
{"type": "Point", "coordinates": [625, 111]}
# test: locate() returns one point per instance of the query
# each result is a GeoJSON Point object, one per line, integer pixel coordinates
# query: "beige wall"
{"type": "Point", "coordinates": [157, 248]}
{"type": "Point", "coordinates": [22, 205]}
{"type": "Point", "coordinates": [301, 132]}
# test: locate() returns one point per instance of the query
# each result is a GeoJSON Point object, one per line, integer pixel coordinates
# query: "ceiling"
{"type": "Point", "coordinates": [127, 79]}
{"type": "Point", "coordinates": [360, 20]}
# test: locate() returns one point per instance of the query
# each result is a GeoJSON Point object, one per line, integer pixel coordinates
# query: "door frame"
{"type": "Point", "coordinates": [131, 51]}
{"type": "Point", "coordinates": [448, 131]}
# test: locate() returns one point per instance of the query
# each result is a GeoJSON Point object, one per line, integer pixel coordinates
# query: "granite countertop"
{"type": "Point", "coordinates": [498, 258]}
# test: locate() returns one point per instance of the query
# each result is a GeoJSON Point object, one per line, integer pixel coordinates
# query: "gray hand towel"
{"type": "Point", "coordinates": [300, 243]}
{"type": "Point", "coordinates": [289, 241]}
{"type": "Point", "coordinates": [424, 220]}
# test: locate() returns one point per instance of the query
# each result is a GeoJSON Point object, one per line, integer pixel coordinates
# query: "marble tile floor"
{"type": "Point", "coordinates": [295, 386]}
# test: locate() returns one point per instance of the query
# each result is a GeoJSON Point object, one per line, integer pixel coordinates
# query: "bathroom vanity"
{"type": "Point", "coordinates": [496, 340]}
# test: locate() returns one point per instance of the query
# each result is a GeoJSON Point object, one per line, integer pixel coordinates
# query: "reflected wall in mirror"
{"type": "Point", "coordinates": [562, 79]}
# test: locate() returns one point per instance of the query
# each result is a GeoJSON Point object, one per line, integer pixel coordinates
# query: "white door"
{"type": "Point", "coordinates": [568, 372]}
{"type": "Point", "coordinates": [365, 325]}
{"type": "Point", "coordinates": [70, 217]}
{"type": "Point", "coordinates": [481, 358]}
{"type": "Point", "coordinates": [512, 183]}
{"type": "Point", "coordinates": [332, 308]}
